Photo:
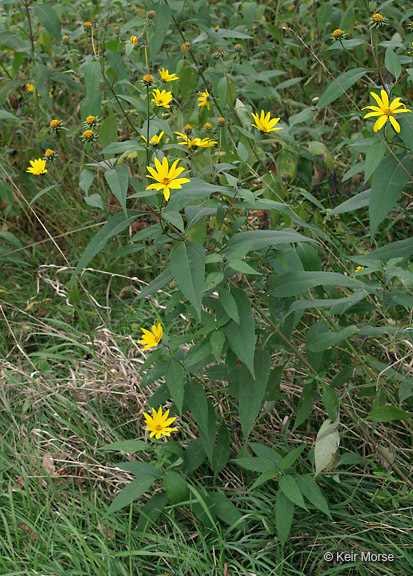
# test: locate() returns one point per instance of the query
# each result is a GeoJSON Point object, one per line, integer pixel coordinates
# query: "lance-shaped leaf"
{"type": "Point", "coordinates": [118, 179]}
{"type": "Point", "coordinates": [241, 336]}
{"type": "Point", "coordinates": [252, 391]}
{"type": "Point", "coordinates": [188, 269]}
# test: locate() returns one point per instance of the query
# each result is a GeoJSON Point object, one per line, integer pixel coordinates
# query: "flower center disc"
{"type": "Point", "coordinates": [388, 112]}
{"type": "Point", "coordinates": [166, 181]}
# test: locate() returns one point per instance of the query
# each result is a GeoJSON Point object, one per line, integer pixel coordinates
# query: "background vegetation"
{"type": "Point", "coordinates": [281, 276]}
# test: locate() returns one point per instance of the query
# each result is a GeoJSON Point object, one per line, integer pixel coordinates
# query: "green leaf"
{"type": "Point", "coordinates": [386, 187]}
{"type": "Point", "coordinates": [127, 446]}
{"type": "Point", "coordinates": [175, 487]}
{"type": "Point", "coordinates": [331, 402]}
{"type": "Point", "coordinates": [221, 449]}
{"type": "Point", "coordinates": [297, 281]}
{"type": "Point", "coordinates": [141, 469]}
{"type": "Point", "coordinates": [174, 218]}
{"type": "Point", "coordinates": [241, 337]}
{"type": "Point", "coordinates": [194, 456]}
{"type": "Point", "coordinates": [131, 492]}
{"type": "Point", "coordinates": [267, 453]}
{"type": "Point", "coordinates": [406, 389]}
{"type": "Point", "coordinates": [291, 458]}
{"type": "Point", "coordinates": [254, 464]}
{"type": "Point", "coordinates": [114, 226]}
{"type": "Point", "coordinates": [94, 200]}
{"type": "Point", "coordinates": [252, 391]}
{"type": "Point", "coordinates": [4, 115]}
{"type": "Point", "coordinates": [388, 414]}
{"type": "Point", "coordinates": [174, 378]}
{"type": "Point", "coordinates": [120, 147]}
{"type": "Point", "coordinates": [392, 63]}
{"type": "Point", "coordinates": [86, 180]}
{"type": "Point", "coordinates": [406, 129]}
{"type": "Point", "coordinates": [337, 87]}
{"type": "Point", "coordinates": [243, 267]}
{"type": "Point", "coordinates": [327, 302]}
{"type": "Point", "coordinates": [326, 445]}
{"type": "Point", "coordinates": [229, 304]}
{"type": "Point", "coordinates": [284, 512]}
{"type": "Point", "coordinates": [159, 29]}
{"type": "Point", "coordinates": [157, 283]}
{"type": "Point", "coordinates": [289, 487]}
{"type": "Point", "coordinates": [265, 238]}
{"type": "Point", "coordinates": [108, 131]}
{"type": "Point", "coordinates": [222, 88]}
{"type": "Point", "coordinates": [204, 415]}
{"type": "Point", "coordinates": [40, 194]}
{"type": "Point", "coordinates": [358, 201]}
{"type": "Point", "coordinates": [268, 475]}
{"type": "Point", "coordinates": [188, 268]}
{"type": "Point", "coordinates": [217, 340]}
{"type": "Point", "coordinates": [329, 339]}
{"type": "Point", "coordinates": [50, 20]}
{"type": "Point", "coordinates": [213, 280]}
{"type": "Point", "coordinates": [312, 492]}
{"type": "Point", "coordinates": [118, 179]}
{"type": "Point", "coordinates": [226, 510]}
{"type": "Point", "coordinates": [152, 510]}
{"type": "Point", "coordinates": [93, 101]}
{"type": "Point", "coordinates": [398, 249]}
{"type": "Point", "coordinates": [374, 155]}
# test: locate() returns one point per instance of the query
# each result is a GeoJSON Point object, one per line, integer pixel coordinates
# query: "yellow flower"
{"type": "Point", "coordinates": [162, 98]}
{"type": "Point", "coordinates": [151, 14]}
{"type": "Point", "coordinates": [338, 33]}
{"type": "Point", "coordinates": [185, 139]}
{"type": "Point", "coordinates": [88, 136]}
{"type": "Point", "coordinates": [65, 38]}
{"type": "Point", "coordinates": [91, 120]}
{"type": "Point", "coordinates": [207, 127]}
{"type": "Point", "coordinates": [385, 111]}
{"type": "Point", "coordinates": [87, 26]}
{"type": "Point", "coordinates": [54, 123]}
{"type": "Point", "coordinates": [166, 77]}
{"type": "Point", "coordinates": [49, 153]}
{"type": "Point", "coordinates": [204, 99]}
{"type": "Point", "coordinates": [155, 139]}
{"type": "Point", "coordinates": [195, 142]}
{"type": "Point", "coordinates": [221, 121]}
{"type": "Point", "coordinates": [30, 87]}
{"type": "Point", "coordinates": [151, 339]}
{"type": "Point", "coordinates": [133, 40]}
{"type": "Point", "coordinates": [116, 29]}
{"type": "Point", "coordinates": [166, 178]}
{"type": "Point", "coordinates": [159, 423]}
{"type": "Point", "coordinates": [265, 123]}
{"type": "Point", "coordinates": [204, 143]}
{"type": "Point", "coordinates": [377, 20]}
{"type": "Point", "coordinates": [147, 79]}
{"type": "Point", "coordinates": [37, 167]}
{"type": "Point", "coordinates": [185, 47]}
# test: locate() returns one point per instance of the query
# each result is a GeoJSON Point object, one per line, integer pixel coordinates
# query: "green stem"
{"type": "Point", "coordinates": [147, 124]}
